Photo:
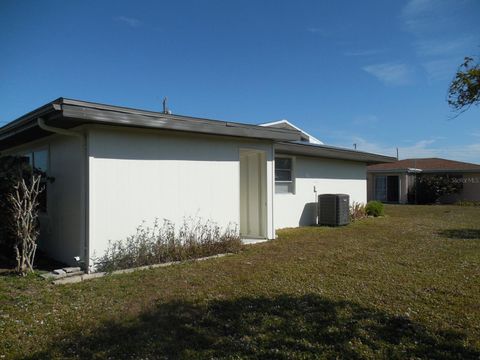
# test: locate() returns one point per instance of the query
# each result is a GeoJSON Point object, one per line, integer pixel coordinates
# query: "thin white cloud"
{"type": "Point", "coordinates": [132, 22]}
{"type": "Point", "coordinates": [390, 73]}
{"type": "Point", "coordinates": [416, 7]}
{"type": "Point", "coordinates": [442, 36]}
{"type": "Point", "coordinates": [435, 146]}
{"type": "Point", "coordinates": [421, 149]}
{"type": "Point", "coordinates": [442, 69]}
{"type": "Point", "coordinates": [320, 31]}
{"type": "Point", "coordinates": [440, 47]}
{"type": "Point", "coordinates": [422, 16]}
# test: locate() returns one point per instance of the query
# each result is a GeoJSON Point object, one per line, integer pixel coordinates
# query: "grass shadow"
{"type": "Point", "coordinates": [469, 234]}
{"type": "Point", "coordinates": [281, 327]}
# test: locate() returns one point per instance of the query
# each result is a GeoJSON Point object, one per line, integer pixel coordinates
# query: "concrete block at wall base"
{"type": "Point", "coordinates": [68, 280]}
{"type": "Point", "coordinates": [93, 275]}
{"type": "Point", "coordinates": [79, 276]}
{"type": "Point", "coordinates": [50, 276]}
{"type": "Point", "coordinates": [60, 275]}
{"type": "Point", "coordinates": [75, 273]}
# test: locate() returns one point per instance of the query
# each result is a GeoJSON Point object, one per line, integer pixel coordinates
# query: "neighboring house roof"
{"type": "Point", "coordinates": [68, 113]}
{"type": "Point", "coordinates": [285, 124]}
{"type": "Point", "coordinates": [426, 165]}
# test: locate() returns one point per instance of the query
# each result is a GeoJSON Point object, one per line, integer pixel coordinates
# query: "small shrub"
{"type": "Point", "coordinates": [163, 243]}
{"type": "Point", "coordinates": [428, 189]}
{"type": "Point", "coordinates": [374, 208]}
{"type": "Point", "coordinates": [357, 211]}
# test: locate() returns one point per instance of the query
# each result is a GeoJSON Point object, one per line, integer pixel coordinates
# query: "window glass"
{"type": "Point", "coordinates": [283, 164]}
{"type": "Point", "coordinates": [283, 175]}
{"type": "Point", "coordinates": [284, 187]}
{"type": "Point", "coordinates": [381, 188]}
{"type": "Point", "coordinates": [283, 169]}
{"type": "Point", "coordinates": [28, 158]}
{"type": "Point", "coordinates": [40, 160]}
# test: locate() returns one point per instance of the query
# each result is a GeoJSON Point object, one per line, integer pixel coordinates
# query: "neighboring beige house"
{"type": "Point", "coordinates": [392, 182]}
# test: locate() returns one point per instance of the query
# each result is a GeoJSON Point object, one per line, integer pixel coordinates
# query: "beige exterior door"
{"type": "Point", "coordinates": [253, 193]}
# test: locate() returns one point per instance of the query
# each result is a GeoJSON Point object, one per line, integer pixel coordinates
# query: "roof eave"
{"type": "Point", "coordinates": [68, 113]}
{"type": "Point", "coordinates": [456, 171]}
{"type": "Point", "coordinates": [331, 152]}
{"type": "Point", "coordinates": [39, 112]}
{"type": "Point", "coordinates": [173, 122]}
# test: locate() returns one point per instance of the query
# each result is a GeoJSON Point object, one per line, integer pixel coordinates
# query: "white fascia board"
{"type": "Point", "coordinates": [311, 138]}
{"type": "Point", "coordinates": [414, 170]}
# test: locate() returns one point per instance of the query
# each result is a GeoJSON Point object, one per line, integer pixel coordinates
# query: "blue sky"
{"type": "Point", "coordinates": [374, 73]}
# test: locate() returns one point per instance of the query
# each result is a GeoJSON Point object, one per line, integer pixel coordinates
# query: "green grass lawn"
{"type": "Point", "coordinates": [403, 286]}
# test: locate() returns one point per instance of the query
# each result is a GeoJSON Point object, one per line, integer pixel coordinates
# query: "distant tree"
{"type": "Point", "coordinates": [464, 90]}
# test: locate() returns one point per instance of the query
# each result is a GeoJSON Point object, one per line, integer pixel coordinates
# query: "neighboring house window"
{"type": "Point", "coordinates": [39, 161]}
{"type": "Point", "coordinates": [381, 188]}
{"type": "Point", "coordinates": [284, 175]}
{"type": "Point", "coordinates": [387, 188]}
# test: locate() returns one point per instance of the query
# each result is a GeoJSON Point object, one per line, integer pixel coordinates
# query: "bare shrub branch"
{"type": "Point", "coordinates": [357, 211]}
{"type": "Point", "coordinates": [24, 221]}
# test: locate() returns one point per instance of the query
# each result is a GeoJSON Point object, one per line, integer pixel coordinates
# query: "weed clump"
{"type": "Point", "coordinates": [195, 238]}
{"type": "Point", "coordinates": [357, 211]}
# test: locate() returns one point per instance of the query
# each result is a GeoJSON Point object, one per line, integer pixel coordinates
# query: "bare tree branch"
{"type": "Point", "coordinates": [24, 202]}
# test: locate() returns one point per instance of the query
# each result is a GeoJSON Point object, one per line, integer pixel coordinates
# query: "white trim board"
{"type": "Point", "coordinates": [311, 138]}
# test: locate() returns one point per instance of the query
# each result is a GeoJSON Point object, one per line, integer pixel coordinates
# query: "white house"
{"type": "Point", "coordinates": [115, 167]}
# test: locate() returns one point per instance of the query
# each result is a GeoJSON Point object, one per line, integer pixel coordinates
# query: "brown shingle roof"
{"type": "Point", "coordinates": [428, 164]}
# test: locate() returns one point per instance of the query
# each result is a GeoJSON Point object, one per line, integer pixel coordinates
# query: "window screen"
{"type": "Point", "coordinates": [283, 175]}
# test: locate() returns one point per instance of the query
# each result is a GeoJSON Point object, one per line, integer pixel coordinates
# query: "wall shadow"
{"type": "Point", "coordinates": [42, 262]}
{"type": "Point", "coordinates": [309, 215]}
{"type": "Point", "coordinates": [464, 234]}
{"type": "Point", "coordinates": [279, 327]}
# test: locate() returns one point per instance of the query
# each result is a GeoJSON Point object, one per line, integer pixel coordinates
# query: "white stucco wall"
{"type": "Point", "coordinates": [61, 227]}
{"type": "Point", "coordinates": [138, 175]}
{"type": "Point", "coordinates": [326, 176]}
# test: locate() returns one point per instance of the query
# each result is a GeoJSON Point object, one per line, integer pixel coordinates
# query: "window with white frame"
{"type": "Point", "coordinates": [284, 183]}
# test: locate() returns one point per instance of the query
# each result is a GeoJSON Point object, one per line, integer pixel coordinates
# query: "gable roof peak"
{"type": "Point", "coordinates": [285, 124]}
